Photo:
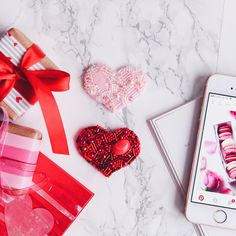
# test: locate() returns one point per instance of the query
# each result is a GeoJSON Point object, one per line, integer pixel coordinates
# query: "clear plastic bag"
{"type": "Point", "coordinates": [37, 197]}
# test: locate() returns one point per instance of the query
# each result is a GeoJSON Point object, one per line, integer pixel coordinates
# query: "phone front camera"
{"type": "Point", "coordinates": [231, 88]}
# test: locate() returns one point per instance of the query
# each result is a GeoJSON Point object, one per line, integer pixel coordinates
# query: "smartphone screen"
{"type": "Point", "coordinates": [215, 176]}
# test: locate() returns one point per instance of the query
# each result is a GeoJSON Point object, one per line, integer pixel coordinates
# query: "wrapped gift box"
{"type": "Point", "coordinates": [28, 76]}
{"type": "Point", "coordinates": [20, 150]}
{"type": "Point", "coordinates": [13, 45]}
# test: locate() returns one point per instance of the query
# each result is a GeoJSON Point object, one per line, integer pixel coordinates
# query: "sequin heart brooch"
{"type": "Point", "coordinates": [108, 151]}
{"type": "Point", "coordinates": [114, 89]}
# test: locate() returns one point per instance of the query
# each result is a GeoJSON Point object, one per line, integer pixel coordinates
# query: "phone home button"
{"type": "Point", "coordinates": [220, 216]}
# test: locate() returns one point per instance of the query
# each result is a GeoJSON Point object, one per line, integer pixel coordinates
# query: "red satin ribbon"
{"type": "Point", "coordinates": [43, 82]}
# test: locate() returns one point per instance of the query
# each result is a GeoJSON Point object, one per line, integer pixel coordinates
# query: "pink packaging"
{"type": "Point", "coordinates": [19, 150]}
{"type": "Point", "coordinates": [37, 197]}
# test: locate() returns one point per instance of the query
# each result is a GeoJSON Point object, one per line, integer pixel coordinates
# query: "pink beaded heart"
{"type": "Point", "coordinates": [114, 89]}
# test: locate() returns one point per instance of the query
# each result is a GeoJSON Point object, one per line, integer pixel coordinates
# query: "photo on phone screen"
{"type": "Point", "coordinates": [215, 177]}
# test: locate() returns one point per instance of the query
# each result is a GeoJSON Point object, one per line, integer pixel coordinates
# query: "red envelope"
{"type": "Point", "coordinates": [48, 207]}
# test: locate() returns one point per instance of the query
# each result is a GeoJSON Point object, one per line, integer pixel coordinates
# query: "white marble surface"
{"type": "Point", "coordinates": [175, 42]}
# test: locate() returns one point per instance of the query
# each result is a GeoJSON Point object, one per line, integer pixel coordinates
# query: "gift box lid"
{"type": "Point", "coordinates": [24, 131]}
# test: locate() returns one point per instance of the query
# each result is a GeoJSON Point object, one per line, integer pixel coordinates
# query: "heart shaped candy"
{"type": "Point", "coordinates": [22, 220]}
{"type": "Point", "coordinates": [108, 151]}
{"type": "Point", "coordinates": [114, 89]}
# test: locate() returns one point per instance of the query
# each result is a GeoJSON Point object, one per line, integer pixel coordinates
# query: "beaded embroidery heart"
{"type": "Point", "coordinates": [114, 89]}
{"type": "Point", "coordinates": [108, 151]}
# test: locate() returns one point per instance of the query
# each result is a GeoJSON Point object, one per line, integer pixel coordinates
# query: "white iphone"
{"type": "Point", "coordinates": [211, 195]}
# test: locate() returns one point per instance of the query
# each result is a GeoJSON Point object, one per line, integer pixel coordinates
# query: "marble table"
{"type": "Point", "coordinates": [176, 43]}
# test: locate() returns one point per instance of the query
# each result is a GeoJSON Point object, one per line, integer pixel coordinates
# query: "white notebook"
{"type": "Point", "coordinates": [175, 133]}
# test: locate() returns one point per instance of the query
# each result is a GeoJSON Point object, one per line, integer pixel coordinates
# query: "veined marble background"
{"type": "Point", "coordinates": [175, 42]}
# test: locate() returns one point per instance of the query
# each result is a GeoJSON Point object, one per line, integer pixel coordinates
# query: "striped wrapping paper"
{"type": "Point", "coordinates": [19, 155]}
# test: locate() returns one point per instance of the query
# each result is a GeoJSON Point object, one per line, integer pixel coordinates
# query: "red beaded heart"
{"type": "Point", "coordinates": [108, 151]}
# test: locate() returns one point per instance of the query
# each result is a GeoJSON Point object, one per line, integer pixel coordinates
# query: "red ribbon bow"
{"type": "Point", "coordinates": [43, 82]}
